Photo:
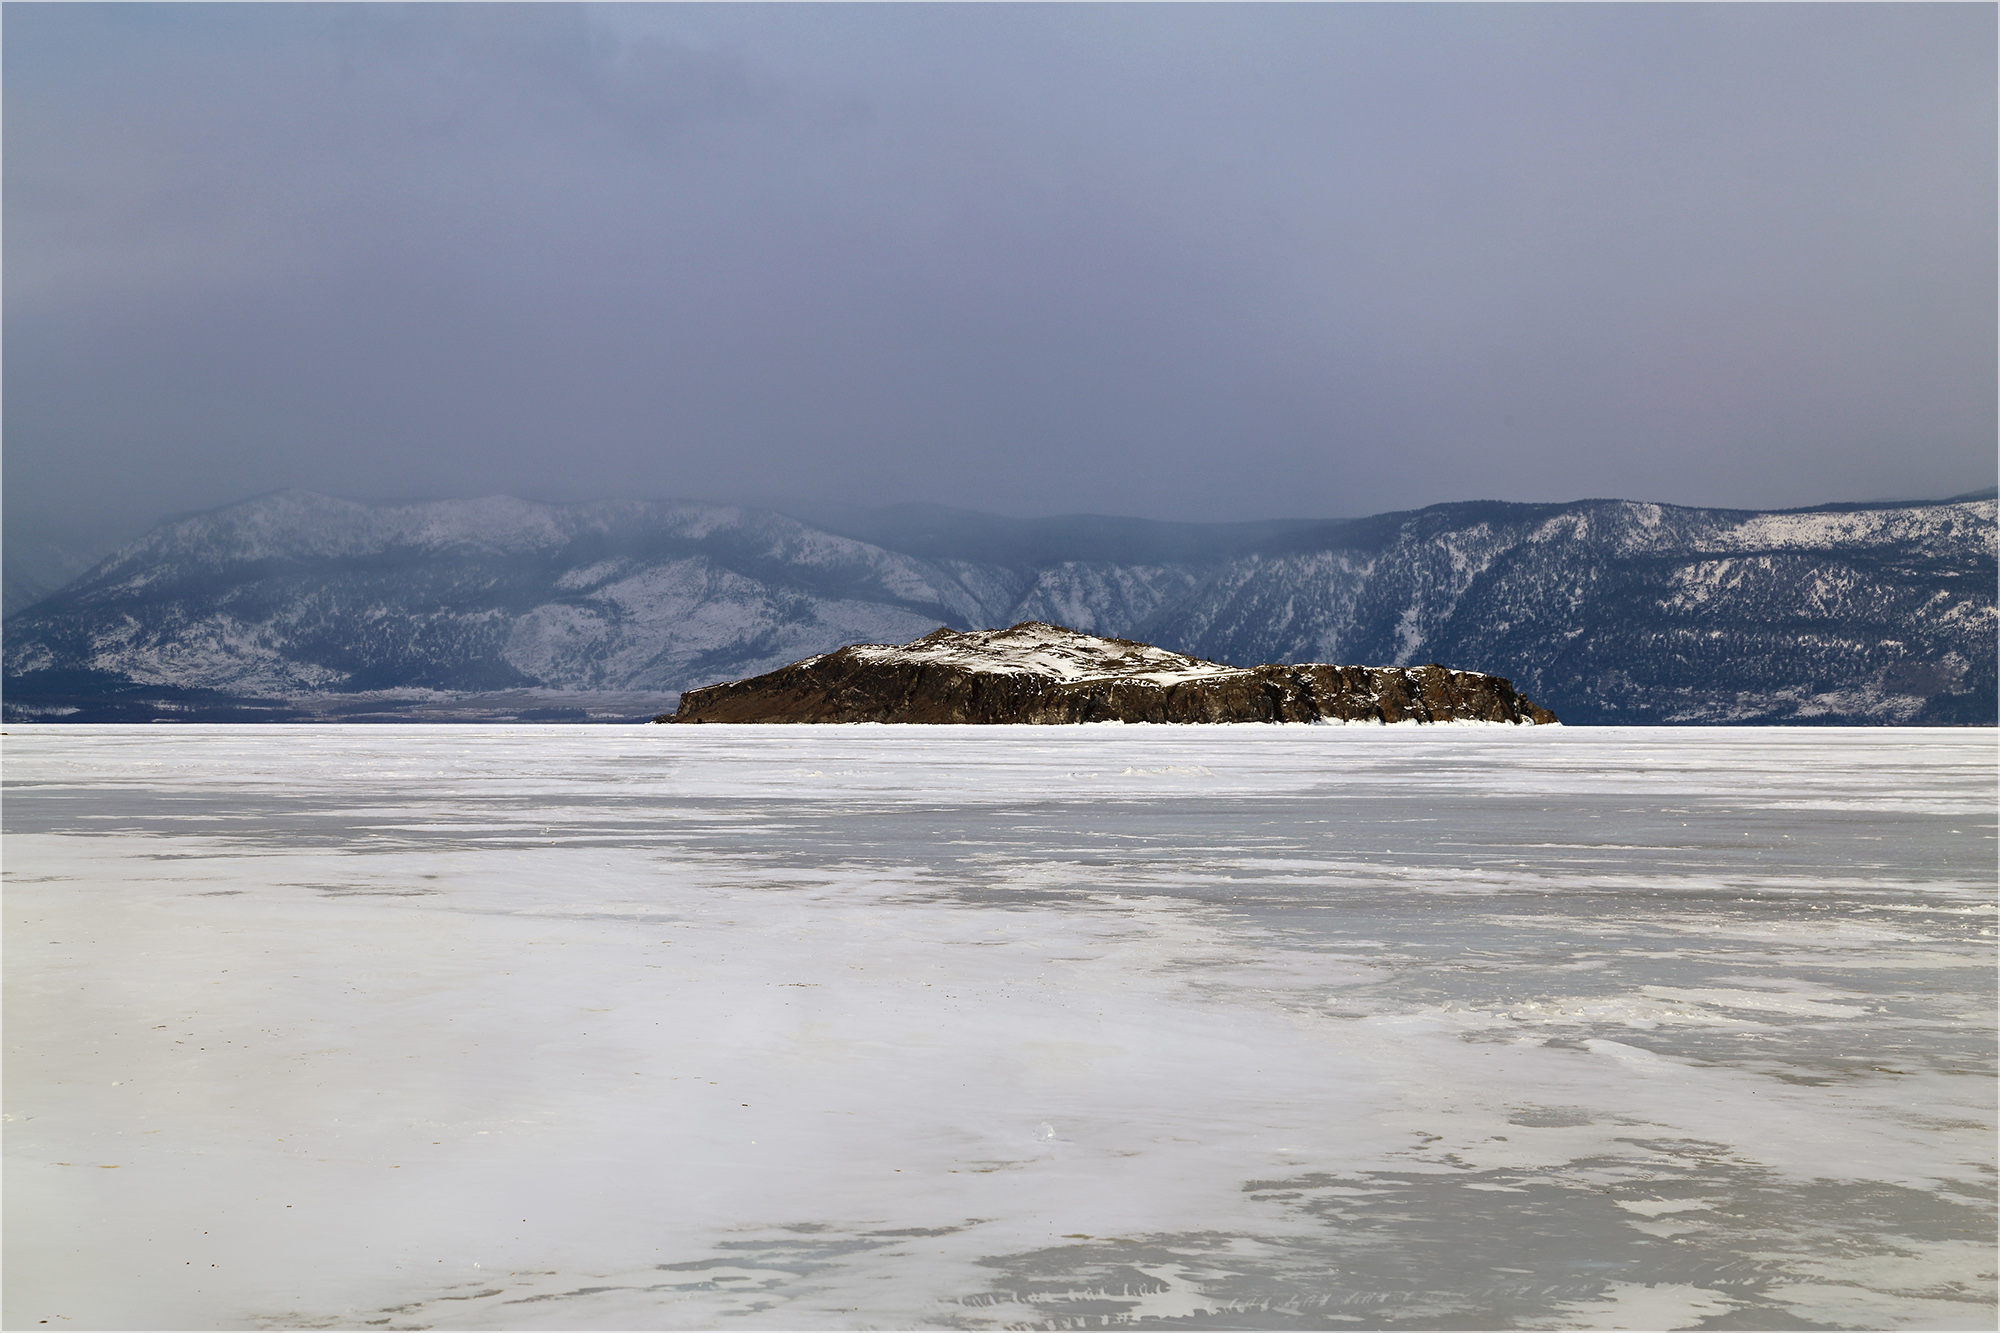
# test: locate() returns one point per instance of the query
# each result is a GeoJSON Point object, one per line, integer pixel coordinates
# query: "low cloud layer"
{"type": "Point", "coordinates": [1180, 261]}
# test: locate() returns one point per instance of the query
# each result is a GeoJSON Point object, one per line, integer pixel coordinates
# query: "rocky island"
{"type": "Point", "coordinates": [1037, 673]}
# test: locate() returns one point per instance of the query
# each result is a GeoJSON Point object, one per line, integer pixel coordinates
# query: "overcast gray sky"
{"type": "Point", "coordinates": [1181, 261]}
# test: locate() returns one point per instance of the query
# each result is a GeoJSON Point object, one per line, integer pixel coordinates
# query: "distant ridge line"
{"type": "Point", "coordinates": [1606, 611]}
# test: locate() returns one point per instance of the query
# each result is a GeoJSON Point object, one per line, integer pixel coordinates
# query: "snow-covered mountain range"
{"type": "Point", "coordinates": [1605, 610]}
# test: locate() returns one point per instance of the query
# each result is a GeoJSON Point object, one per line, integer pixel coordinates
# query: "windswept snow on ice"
{"type": "Point", "coordinates": [983, 1028]}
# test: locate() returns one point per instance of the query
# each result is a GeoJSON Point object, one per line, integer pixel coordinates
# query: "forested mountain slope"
{"type": "Point", "coordinates": [1605, 610]}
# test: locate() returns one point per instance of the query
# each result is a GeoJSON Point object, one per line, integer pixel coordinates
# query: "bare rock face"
{"type": "Point", "coordinates": [1036, 673]}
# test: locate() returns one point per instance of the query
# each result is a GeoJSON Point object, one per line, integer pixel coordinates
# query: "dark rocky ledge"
{"type": "Point", "coordinates": [1036, 673]}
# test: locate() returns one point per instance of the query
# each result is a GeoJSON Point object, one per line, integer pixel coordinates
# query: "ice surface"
{"type": "Point", "coordinates": [840, 1027]}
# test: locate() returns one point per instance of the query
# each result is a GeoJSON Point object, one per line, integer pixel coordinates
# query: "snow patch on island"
{"type": "Point", "coordinates": [1035, 649]}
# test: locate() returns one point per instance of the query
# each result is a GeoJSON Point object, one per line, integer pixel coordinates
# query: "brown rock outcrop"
{"type": "Point", "coordinates": [1036, 673]}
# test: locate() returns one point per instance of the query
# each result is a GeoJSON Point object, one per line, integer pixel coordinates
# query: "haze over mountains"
{"type": "Point", "coordinates": [1609, 611]}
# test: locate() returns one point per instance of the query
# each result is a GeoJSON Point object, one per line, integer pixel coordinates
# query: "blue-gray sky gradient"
{"type": "Point", "coordinates": [1179, 261]}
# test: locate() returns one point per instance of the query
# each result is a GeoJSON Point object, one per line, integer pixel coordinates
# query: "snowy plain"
{"type": "Point", "coordinates": [845, 1027]}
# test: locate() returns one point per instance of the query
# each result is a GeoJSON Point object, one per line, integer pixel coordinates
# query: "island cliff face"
{"type": "Point", "coordinates": [1037, 673]}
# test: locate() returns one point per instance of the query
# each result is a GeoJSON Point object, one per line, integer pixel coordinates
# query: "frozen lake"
{"type": "Point", "coordinates": [842, 1027]}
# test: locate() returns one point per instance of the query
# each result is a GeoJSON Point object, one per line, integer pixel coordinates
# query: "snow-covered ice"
{"type": "Point", "coordinates": [979, 1027]}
